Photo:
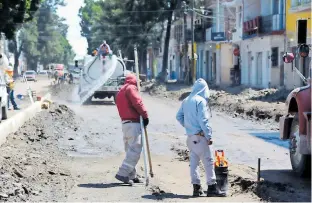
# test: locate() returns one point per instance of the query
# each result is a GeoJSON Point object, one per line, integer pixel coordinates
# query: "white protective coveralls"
{"type": "Point", "coordinates": [193, 116]}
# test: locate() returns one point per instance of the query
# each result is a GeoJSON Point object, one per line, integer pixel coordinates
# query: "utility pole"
{"type": "Point", "coordinates": [192, 28]}
{"type": "Point", "coordinates": [186, 61]}
{"type": "Point", "coordinates": [218, 47]}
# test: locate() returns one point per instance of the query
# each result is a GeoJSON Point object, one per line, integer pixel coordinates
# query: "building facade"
{"type": "Point", "coordinates": [259, 35]}
{"type": "Point", "coordinates": [297, 11]}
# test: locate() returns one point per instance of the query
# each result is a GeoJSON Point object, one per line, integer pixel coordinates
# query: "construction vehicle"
{"type": "Point", "coordinates": [295, 126]}
{"type": "Point", "coordinates": [101, 77]}
{"type": "Point", "coordinates": [4, 63]}
{"type": "Point", "coordinates": [111, 87]}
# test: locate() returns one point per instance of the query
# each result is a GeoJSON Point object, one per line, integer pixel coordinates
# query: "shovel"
{"type": "Point", "coordinates": [149, 154]}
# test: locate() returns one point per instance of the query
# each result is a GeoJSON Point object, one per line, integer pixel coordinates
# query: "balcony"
{"type": "Point", "coordinates": [300, 5]}
{"type": "Point", "coordinates": [264, 25]}
{"type": "Point", "coordinates": [272, 24]}
{"type": "Point", "coordinates": [251, 28]}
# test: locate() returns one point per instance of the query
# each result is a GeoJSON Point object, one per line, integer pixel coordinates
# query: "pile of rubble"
{"type": "Point", "coordinates": [32, 164]}
{"type": "Point", "coordinates": [240, 101]}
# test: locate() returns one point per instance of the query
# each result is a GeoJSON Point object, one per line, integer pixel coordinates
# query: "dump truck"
{"type": "Point", "coordinates": [295, 125]}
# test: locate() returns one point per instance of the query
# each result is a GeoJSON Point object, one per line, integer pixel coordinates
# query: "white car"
{"type": "Point", "coordinates": [31, 75]}
{"type": "Point", "coordinates": [43, 72]}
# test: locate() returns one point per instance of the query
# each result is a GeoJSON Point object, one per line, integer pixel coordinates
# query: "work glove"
{"type": "Point", "coordinates": [145, 122]}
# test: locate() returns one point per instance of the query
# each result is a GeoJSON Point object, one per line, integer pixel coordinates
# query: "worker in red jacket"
{"type": "Point", "coordinates": [130, 108]}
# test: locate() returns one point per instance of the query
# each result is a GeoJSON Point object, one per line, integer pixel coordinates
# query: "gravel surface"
{"type": "Point", "coordinates": [72, 153]}
{"type": "Point", "coordinates": [32, 168]}
{"type": "Point", "coordinates": [266, 104]}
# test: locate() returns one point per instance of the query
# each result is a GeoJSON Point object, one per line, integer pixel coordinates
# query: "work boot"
{"type": "Point", "coordinates": [137, 180]}
{"type": "Point", "coordinates": [123, 179]}
{"type": "Point", "coordinates": [197, 190]}
{"type": "Point", "coordinates": [213, 191]}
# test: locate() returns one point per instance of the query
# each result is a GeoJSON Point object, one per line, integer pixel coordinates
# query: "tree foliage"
{"type": "Point", "coordinates": [123, 24]}
{"type": "Point", "coordinates": [13, 13]}
{"type": "Point", "coordinates": [43, 39]}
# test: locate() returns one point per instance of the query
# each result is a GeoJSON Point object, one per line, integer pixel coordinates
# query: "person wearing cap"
{"type": "Point", "coordinates": [193, 115]}
{"type": "Point", "coordinates": [10, 87]}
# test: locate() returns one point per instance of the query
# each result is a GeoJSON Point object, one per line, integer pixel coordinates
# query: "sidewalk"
{"type": "Point", "coordinates": [41, 87]}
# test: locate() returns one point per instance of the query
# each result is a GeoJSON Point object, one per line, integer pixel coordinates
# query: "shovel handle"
{"type": "Point", "coordinates": [148, 153]}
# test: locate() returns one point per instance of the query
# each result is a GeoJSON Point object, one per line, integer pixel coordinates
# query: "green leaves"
{"type": "Point", "coordinates": [13, 13]}
{"type": "Point", "coordinates": [122, 23]}
{"type": "Point", "coordinates": [45, 37]}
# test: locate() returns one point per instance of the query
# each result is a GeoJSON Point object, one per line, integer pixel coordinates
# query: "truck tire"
{"type": "Point", "coordinates": [4, 111]}
{"type": "Point", "coordinates": [301, 163]}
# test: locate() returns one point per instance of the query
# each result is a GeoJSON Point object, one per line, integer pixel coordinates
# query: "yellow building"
{"type": "Point", "coordinates": [297, 10]}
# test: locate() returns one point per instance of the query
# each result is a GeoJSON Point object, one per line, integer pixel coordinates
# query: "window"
{"type": "Point", "coordinates": [274, 56]}
{"type": "Point", "coordinates": [240, 17]}
{"type": "Point", "coordinates": [294, 3]}
{"type": "Point", "coordinates": [275, 6]}
{"type": "Point", "coordinates": [302, 31]}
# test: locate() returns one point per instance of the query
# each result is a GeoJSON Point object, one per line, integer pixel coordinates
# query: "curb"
{"type": "Point", "coordinates": [12, 124]}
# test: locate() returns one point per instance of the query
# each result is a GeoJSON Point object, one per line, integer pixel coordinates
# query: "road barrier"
{"type": "Point", "coordinates": [12, 124]}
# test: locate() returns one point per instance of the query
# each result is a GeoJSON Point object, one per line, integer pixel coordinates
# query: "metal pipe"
{"type": "Point", "coordinates": [258, 173]}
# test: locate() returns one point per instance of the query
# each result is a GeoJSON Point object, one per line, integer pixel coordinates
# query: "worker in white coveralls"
{"type": "Point", "coordinates": [194, 117]}
{"type": "Point", "coordinates": [130, 107]}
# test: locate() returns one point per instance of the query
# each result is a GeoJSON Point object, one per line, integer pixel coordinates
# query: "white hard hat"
{"type": "Point", "coordinates": [10, 68]}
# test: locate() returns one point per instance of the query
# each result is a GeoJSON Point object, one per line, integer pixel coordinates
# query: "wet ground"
{"type": "Point", "coordinates": [91, 139]}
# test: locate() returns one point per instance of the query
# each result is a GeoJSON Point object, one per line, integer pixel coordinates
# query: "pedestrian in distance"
{"type": "Point", "coordinates": [130, 107]}
{"type": "Point", "coordinates": [10, 87]}
{"type": "Point", "coordinates": [193, 115]}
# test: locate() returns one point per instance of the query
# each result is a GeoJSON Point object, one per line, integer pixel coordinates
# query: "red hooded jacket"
{"type": "Point", "coordinates": [129, 102]}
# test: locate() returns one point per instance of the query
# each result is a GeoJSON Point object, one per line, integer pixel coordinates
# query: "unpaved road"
{"type": "Point", "coordinates": [92, 140]}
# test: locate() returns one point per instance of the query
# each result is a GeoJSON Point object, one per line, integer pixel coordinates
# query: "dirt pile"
{"type": "Point", "coordinates": [31, 165]}
{"type": "Point", "coordinates": [240, 101]}
{"type": "Point", "coordinates": [242, 180]}
{"type": "Point", "coordinates": [183, 154]}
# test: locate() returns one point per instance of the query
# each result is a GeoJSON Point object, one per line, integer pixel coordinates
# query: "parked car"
{"type": "Point", "coordinates": [31, 75]}
{"type": "Point", "coordinates": [43, 72]}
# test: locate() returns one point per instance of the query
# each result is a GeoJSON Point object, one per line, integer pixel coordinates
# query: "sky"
{"type": "Point", "coordinates": [70, 13]}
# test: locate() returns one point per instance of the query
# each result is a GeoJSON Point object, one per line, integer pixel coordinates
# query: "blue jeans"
{"type": "Point", "coordinates": [11, 98]}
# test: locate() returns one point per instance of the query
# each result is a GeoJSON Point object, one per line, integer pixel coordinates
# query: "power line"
{"type": "Point", "coordinates": [122, 11]}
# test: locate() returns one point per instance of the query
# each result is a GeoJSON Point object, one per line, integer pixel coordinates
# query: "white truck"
{"type": "Point", "coordinates": [101, 78]}
{"type": "Point", "coordinates": [4, 63]}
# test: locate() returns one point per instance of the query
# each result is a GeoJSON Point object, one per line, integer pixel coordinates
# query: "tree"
{"type": "Point", "coordinates": [16, 50]}
{"type": "Point", "coordinates": [171, 6]}
{"type": "Point", "coordinates": [44, 39]}
{"type": "Point", "coordinates": [13, 13]}
{"type": "Point", "coordinates": [122, 23]}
